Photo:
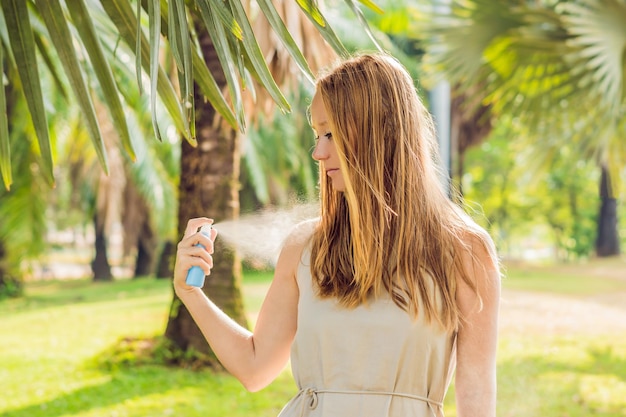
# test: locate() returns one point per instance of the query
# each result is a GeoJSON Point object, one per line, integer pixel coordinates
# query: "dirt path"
{"type": "Point", "coordinates": [551, 314]}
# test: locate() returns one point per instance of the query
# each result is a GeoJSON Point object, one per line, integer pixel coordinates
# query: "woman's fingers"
{"type": "Point", "coordinates": [194, 249]}
{"type": "Point", "coordinates": [194, 224]}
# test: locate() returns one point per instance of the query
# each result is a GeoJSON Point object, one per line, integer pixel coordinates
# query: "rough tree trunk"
{"type": "Point", "coordinates": [209, 187]}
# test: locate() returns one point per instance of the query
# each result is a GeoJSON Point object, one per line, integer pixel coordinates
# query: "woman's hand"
{"type": "Point", "coordinates": [190, 254]}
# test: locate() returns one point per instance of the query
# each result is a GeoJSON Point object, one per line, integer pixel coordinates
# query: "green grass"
{"type": "Point", "coordinates": [52, 340]}
{"type": "Point", "coordinates": [570, 280]}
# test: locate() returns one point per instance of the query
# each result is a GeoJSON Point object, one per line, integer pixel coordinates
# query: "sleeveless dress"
{"type": "Point", "coordinates": [371, 361]}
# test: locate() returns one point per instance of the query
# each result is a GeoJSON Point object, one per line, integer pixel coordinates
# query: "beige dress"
{"type": "Point", "coordinates": [372, 361]}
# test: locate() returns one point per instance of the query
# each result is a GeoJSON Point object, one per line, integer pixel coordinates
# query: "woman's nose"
{"type": "Point", "coordinates": [320, 152]}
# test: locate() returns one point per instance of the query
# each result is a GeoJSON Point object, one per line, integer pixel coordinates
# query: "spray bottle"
{"type": "Point", "coordinates": [195, 275]}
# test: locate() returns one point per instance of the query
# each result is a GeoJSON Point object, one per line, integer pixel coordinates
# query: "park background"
{"type": "Point", "coordinates": [93, 202]}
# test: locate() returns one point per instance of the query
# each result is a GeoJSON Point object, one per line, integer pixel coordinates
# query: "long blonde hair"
{"type": "Point", "coordinates": [394, 228]}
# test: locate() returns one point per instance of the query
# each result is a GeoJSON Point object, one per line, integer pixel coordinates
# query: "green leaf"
{"type": "Point", "coordinates": [372, 6]}
{"type": "Point", "coordinates": [124, 19]}
{"type": "Point", "coordinates": [23, 47]}
{"type": "Point", "coordinates": [315, 16]}
{"type": "Point", "coordinates": [100, 65]}
{"type": "Point", "coordinates": [268, 9]}
{"type": "Point", "coordinates": [5, 143]}
{"type": "Point", "coordinates": [178, 34]}
{"type": "Point", "coordinates": [211, 90]}
{"type": "Point", "coordinates": [44, 52]}
{"type": "Point", "coordinates": [208, 85]}
{"type": "Point", "coordinates": [359, 15]}
{"type": "Point", "coordinates": [256, 57]}
{"type": "Point", "coordinates": [52, 14]}
{"type": "Point", "coordinates": [174, 32]}
{"type": "Point", "coordinates": [224, 14]}
{"type": "Point", "coordinates": [222, 48]}
{"type": "Point", "coordinates": [138, 40]}
{"type": "Point", "coordinates": [154, 18]}
{"type": "Point", "coordinates": [311, 10]}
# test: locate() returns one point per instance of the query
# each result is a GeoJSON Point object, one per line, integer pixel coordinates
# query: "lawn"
{"type": "Point", "coordinates": [54, 339]}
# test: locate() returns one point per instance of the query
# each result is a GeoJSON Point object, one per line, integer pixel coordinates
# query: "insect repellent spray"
{"type": "Point", "coordinates": [195, 275]}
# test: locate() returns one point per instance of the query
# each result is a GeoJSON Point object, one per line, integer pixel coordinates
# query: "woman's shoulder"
{"type": "Point", "coordinates": [294, 245]}
{"type": "Point", "coordinates": [301, 234]}
{"type": "Point", "coordinates": [478, 253]}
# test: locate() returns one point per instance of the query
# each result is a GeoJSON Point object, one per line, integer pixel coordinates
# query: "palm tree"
{"type": "Point", "coordinates": [556, 66]}
{"type": "Point", "coordinates": [229, 59]}
{"type": "Point", "coordinates": [209, 181]}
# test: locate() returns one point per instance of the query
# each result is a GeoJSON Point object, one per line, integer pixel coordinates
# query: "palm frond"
{"type": "Point", "coordinates": [231, 30]}
{"type": "Point", "coordinates": [22, 45]}
{"type": "Point", "coordinates": [598, 37]}
{"type": "Point", "coordinates": [556, 66]}
{"type": "Point", "coordinates": [102, 70]}
{"type": "Point", "coordinates": [53, 16]}
{"type": "Point", "coordinates": [5, 145]}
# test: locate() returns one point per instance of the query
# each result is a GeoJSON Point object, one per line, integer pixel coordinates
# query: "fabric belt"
{"type": "Point", "coordinates": [310, 397]}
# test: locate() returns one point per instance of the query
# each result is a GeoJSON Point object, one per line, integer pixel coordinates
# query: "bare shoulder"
{"type": "Point", "coordinates": [481, 265]}
{"type": "Point", "coordinates": [301, 233]}
{"type": "Point", "coordinates": [294, 244]}
{"type": "Point", "coordinates": [478, 250]}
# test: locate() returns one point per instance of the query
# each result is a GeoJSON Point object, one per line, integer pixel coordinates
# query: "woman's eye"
{"type": "Point", "coordinates": [326, 135]}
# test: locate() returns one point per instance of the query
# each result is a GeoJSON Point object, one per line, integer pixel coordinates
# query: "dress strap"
{"type": "Point", "coordinates": [309, 397]}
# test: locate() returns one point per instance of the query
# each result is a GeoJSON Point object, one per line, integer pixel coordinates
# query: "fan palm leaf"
{"type": "Point", "coordinates": [559, 67]}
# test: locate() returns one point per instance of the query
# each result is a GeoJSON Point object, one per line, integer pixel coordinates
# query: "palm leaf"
{"type": "Point", "coordinates": [122, 16]}
{"type": "Point", "coordinates": [100, 65]}
{"type": "Point", "coordinates": [23, 46]}
{"type": "Point", "coordinates": [5, 142]}
{"type": "Point", "coordinates": [227, 59]}
{"type": "Point", "coordinates": [315, 16]}
{"type": "Point", "coordinates": [52, 14]}
{"type": "Point", "coordinates": [598, 31]}
{"type": "Point", "coordinates": [178, 34]}
{"type": "Point", "coordinates": [283, 34]}
{"type": "Point", "coordinates": [138, 47]}
{"type": "Point", "coordinates": [44, 51]}
{"type": "Point", "coordinates": [255, 55]}
{"type": "Point", "coordinates": [224, 14]}
{"type": "Point", "coordinates": [154, 18]}
{"type": "Point", "coordinates": [361, 17]}
{"type": "Point", "coordinates": [311, 10]}
{"type": "Point", "coordinates": [206, 82]}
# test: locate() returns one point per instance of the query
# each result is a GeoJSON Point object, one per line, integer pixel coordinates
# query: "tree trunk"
{"type": "Point", "coordinates": [144, 264]}
{"type": "Point", "coordinates": [165, 269]}
{"type": "Point", "coordinates": [100, 264]}
{"type": "Point", "coordinates": [209, 187]}
{"type": "Point", "coordinates": [470, 125]}
{"type": "Point", "coordinates": [607, 242]}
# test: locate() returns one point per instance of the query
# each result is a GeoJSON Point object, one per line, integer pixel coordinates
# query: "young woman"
{"type": "Point", "coordinates": [390, 292]}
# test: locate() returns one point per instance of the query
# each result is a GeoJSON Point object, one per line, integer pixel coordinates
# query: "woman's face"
{"type": "Point", "coordinates": [325, 151]}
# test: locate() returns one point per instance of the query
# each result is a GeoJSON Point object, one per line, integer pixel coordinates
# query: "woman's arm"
{"type": "Point", "coordinates": [255, 358]}
{"type": "Point", "coordinates": [475, 381]}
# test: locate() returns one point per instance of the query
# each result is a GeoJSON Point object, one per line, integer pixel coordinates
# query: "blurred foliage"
{"type": "Point", "coordinates": [517, 202]}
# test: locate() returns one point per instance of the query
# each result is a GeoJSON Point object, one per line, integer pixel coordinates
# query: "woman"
{"type": "Point", "coordinates": [378, 300]}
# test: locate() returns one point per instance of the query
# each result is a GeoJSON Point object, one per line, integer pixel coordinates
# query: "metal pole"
{"type": "Point", "coordinates": [440, 103]}
{"type": "Point", "coordinates": [440, 109]}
